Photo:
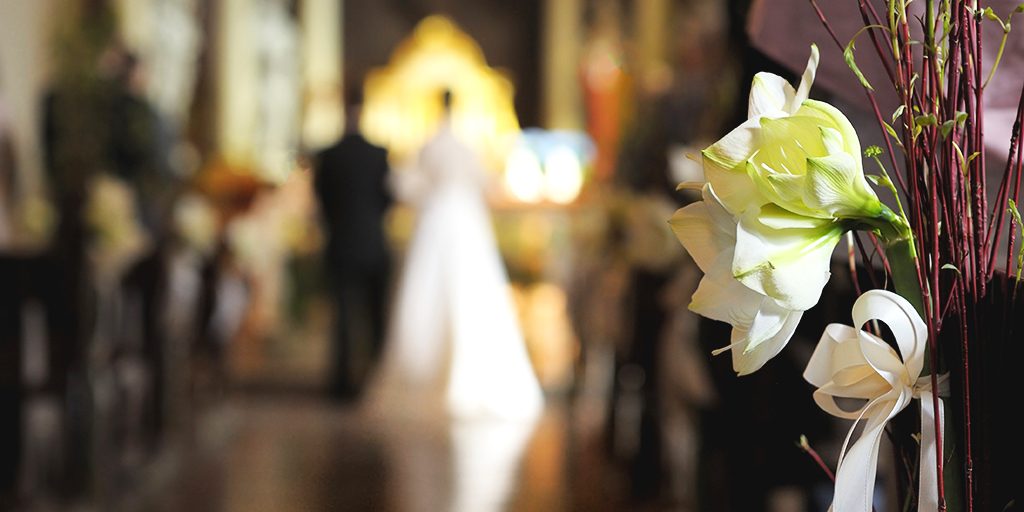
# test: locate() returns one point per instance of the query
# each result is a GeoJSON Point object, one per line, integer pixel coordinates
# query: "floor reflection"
{"type": "Point", "coordinates": [303, 454]}
{"type": "Point", "coordinates": [486, 456]}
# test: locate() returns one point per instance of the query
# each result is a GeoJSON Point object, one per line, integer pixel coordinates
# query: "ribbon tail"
{"type": "Point", "coordinates": [855, 476]}
{"type": "Point", "coordinates": [928, 478]}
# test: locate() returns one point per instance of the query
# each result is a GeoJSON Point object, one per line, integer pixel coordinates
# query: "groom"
{"type": "Point", "coordinates": [351, 184]}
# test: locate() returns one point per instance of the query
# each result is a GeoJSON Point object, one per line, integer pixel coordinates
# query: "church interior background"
{"type": "Point", "coordinates": [166, 333]}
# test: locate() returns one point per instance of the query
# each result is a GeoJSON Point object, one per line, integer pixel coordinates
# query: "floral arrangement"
{"type": "Point", "coordinates": [785, 186]}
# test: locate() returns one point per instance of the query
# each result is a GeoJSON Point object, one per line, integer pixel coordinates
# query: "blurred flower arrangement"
{"type": "Point", "coordinates": [784, 187]}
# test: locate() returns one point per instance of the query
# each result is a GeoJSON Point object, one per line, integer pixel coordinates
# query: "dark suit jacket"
{"type": "Point", "coordinates": [351, 183]}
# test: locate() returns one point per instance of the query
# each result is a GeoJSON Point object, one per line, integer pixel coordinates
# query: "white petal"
{"type": "Point", "coordinates": [789, 265]}
{"type": "Point", "coordinates": [747, 363]}
{"type": "Point", "coordinates": [700, 234]}
{"type": "Point", "coordinates": [806, 81]}
{"type": "Point", "coordinates": [725, 167]}
{"type": "Point", "coordinates": [767, 323]}
{"type": "Point", "coordinates": [719, 296]}
{"type": "Point", "coordinates": [724, 220]}
{"type": "Point", "coordinates": [769, 92]}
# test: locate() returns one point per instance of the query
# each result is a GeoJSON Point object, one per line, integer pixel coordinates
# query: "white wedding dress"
{"type": "Point", "coordinates": [455, 348]}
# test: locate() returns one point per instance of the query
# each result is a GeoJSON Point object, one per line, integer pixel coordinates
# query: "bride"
{"type": "Point", "coordinates": [455, 344]}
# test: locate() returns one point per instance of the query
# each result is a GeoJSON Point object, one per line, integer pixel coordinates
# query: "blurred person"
{"type": "Point", "coordinates": [8, 170]}
{"type": "Point", "coordinates": [455, 344]}
{"type": "Point", "coordinates": [351, 183]}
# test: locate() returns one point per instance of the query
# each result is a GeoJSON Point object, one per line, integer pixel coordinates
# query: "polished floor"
{"type": "Point", "coordinates": [285, 453]}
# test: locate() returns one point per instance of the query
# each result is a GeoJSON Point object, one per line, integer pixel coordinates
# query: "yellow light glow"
{"type": "Point", "coordinates": [402, 106]}
{"type": "Point", "coordinates": [563, 176]}
{"type": "Point", "coordinates": [523, 175]}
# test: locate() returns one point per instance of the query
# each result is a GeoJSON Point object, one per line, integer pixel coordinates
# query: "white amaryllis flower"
{"type": "Point", "coordinates": [782, 189]}
{"type": "Point", "coordinates": [761, 325]}
{"type": "Point", "coordinates": [793, 167]}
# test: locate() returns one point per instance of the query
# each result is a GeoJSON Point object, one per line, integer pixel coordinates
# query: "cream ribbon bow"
{"type": "Point", "coordinates": [853, 363]}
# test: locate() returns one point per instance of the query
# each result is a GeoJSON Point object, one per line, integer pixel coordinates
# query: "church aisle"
{"type": "Point", "coordinates": [301, 453]}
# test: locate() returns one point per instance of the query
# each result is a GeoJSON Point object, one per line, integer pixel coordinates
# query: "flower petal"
{"type": "Point", "coordinates": [725, 167]}
{"type": "Point", "coordinates": [790, 265]}
{"type": "Point", "coordinates": [806, 81]}
{"type": "Point", "coordinates": [766, 324]}
{"type": "Point", "coordinates": [832, 139]}
{"type": "Point", "coordinates": [719, 296]}
{"type": "Point", "coordinates": [832, 117]}
{"type": "Point", "coordinates": [768, 93]}
{"type": "Point", "coordinates": [836, 186]}
{"type": "Point", "coordinates": [787, 142]}
{"type": "Point", "coordinates": [777, 218]}
{"type": "Point", "coordinates": [750, 362]}
{"type": "Point", "coordinates": [705, 228]}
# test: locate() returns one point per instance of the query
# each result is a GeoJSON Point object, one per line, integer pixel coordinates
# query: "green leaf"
{"type": "Point", "coordinates": [926, 120]}
{"type": "Point", "coordinates": [891, 131]}
{"type": "Point", "coordinates": [950, 266]}
{"type": "Point", "coordinates": [848, 56]}
{"type": "Point", "coordinates": [947, 127]}
{"type": "Point", "coordinates": [1016, 216]}
{"type": "Point", "coordinates": [961, 117]}
{"type": "Point", "coordinates": [899, 111]}
{"type": "Point", "coordinates": [960, 156]}
{"type": "Point", "coordinates": [1013, 210]}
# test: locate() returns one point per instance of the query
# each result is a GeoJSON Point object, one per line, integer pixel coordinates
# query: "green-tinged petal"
{"type": "Point", "coordinates": [831, 117]}
{"type": "Point", "coordinates": [776, 190]}
{"type": "Point", "coordinates": [775, 217]}
{"type": "Point", "coordinates": [721, 297]}
{"type": "Point", "coordinates": [788, 188]}
{"type": "Point", "coordinates": [725, 167]}
{"type": "Point", "coordinates": [789, 265]}
{"type": "Point", "coordinates": [787, 142]}
{"type": "Point", "coordinates": [806, 81]}
{"type": "Point", "coordinates": [835, 186]}
{"type": "Point", "coordinates": [832, 139]}
{"type": "Point", "coordinates": [731, 151]}
{"type": "Point", "coordinates": [746, 363]}
{"type": "Point", "coordinates": [770, 92]}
